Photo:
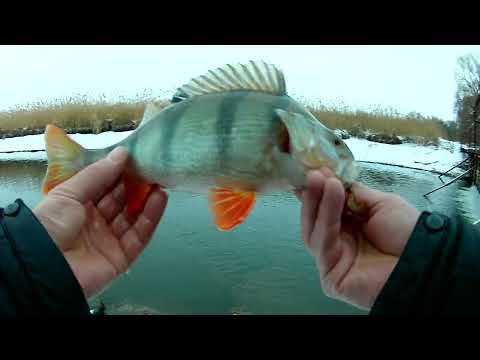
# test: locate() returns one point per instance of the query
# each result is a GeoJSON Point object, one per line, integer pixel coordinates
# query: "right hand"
{"type": "Point", "coordinates": [354, 257]}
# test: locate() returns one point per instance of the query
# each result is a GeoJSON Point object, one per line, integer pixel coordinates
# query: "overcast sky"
{"type": "Point", "coordinates": [408, 78]}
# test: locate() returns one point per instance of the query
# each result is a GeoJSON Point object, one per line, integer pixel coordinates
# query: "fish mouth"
{"type": "Point", "coordinates": [345, 170]}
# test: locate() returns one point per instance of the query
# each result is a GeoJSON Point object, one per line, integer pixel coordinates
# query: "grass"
{"type": "Point", "coordinates": [380, 121]}
{"type": "Point", "coordinates": [81, 112]}
{"type": "Point", "coordinates": [77, 112]}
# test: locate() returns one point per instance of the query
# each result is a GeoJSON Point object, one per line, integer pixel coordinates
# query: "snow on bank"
{"type": "Point", "coordinates": [438, 158]}
{"type": "Point", "coordinates": [36, 142]}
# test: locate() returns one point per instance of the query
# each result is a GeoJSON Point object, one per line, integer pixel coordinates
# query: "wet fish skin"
{"type": "Point", "coordinates": [218, 138]}
{"type": "Point", "coordinates": [221, 139]}
{"type": "Point", "coordinates": [228, 134]}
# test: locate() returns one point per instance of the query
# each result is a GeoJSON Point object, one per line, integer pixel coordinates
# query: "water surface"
{"type": "Point", "coordinates": [259, 268]}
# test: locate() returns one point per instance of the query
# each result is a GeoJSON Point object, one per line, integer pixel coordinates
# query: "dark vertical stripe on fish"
{"type": "Point", "coordinates": [172, 120]}
{"type": "Point", "coordinates": [225, 122]}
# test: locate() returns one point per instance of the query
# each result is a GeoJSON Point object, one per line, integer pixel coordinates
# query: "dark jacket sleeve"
{"type": "Point", "coordinates": [35, 278]}
{"type": "Point", "coordinates": [438, 273]}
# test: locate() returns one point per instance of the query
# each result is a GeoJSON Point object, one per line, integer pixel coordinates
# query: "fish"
{"type": "Point", "coordinates": [232, 134]}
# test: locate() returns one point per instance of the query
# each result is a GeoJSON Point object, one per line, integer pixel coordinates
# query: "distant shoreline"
{"type": "Point", "coordinates": [438, 157]}
{"type": "Point", "coordinates": [81, 115]}
{"type": "Point", "coordinates": [4, 134]}
{"type": "Point", "coordinates": [132, 125]}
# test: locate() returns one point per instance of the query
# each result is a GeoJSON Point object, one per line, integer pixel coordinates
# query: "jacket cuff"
{"type": "Point", "coordinates": [43, 282]}
{"type": "Point", "coordinates": [417, 274]}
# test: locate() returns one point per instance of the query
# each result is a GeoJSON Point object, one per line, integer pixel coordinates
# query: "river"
{"type": "Point", "coordinates": [260, 268]}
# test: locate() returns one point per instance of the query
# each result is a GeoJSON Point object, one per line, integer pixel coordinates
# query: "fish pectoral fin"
{"type": "Point", "coordinates": [230, 207]}
{"type": "Point", "coordinates": [136, 193]}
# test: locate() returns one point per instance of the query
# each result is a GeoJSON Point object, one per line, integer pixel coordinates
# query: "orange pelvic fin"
{"type": "Point", "coordinates": [136, 193]}
{"type": "Point", "coordinates": [230, 207]}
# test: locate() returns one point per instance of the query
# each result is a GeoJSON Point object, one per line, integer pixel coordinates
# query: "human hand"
{"type": "Point", "coordinates": [86, 218]}
{"type": "Point", "coordinates": [354, 257]}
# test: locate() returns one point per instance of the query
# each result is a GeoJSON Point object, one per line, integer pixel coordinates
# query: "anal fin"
{"type": "Point", "coordinates": [136, 193]}
{"type": "Point", "coordinates": [230, 207]}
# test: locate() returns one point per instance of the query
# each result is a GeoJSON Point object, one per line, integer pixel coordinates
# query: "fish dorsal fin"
{"type": "Point", "coordinates": [254, 76]}
{"type": "Point", "coordinates": [151, 110]}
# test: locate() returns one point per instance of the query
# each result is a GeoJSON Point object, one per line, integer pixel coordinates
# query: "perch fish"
{"type": "Point", "coordinates": [232, 133]}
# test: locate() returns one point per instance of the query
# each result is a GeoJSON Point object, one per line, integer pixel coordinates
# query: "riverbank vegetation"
{"type": "Point", "coordinates": [87, 115]}
{"type": "Point", "coordinates": [467, 99]}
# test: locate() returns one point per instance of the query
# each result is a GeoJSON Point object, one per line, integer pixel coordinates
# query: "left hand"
{"type": "Point", "coordinates": [86, 219]}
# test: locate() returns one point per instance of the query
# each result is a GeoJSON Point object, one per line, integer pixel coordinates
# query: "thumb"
{"type": "Point", "coordinates": [92, 182]}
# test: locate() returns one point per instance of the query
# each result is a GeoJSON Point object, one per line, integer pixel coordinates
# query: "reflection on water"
{"type": "Point", "coordinates": [21, 179]}
{"type": "Point", "coordinates": [411, 185]}
{"type": "Point", "coordinates": [259, 268]}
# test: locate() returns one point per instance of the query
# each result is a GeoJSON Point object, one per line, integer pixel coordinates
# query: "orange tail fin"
{"type": "Point", "coordinates": [65, 157]}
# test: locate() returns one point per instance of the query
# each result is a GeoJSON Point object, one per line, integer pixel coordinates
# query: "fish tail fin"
{"type": "Point", "coordinates": [65, 157]}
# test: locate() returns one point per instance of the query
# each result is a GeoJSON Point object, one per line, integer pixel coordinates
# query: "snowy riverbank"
{"type": "Point", "coordinates": [436, 158]}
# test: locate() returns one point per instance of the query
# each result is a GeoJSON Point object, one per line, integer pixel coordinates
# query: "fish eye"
{"type": "Point", "coordinates": [336, 142]}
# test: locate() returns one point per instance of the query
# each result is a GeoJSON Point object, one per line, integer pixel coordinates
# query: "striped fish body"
{"type": "Point", "coordinates": [233, 133]}
{"type": "Point", "coordinates": [227, 140]}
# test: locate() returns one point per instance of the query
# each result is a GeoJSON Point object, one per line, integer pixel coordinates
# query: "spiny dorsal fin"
{"type": "Point", "coordinates": [254, 76]}
{"type": "Point", "coordinates": [151, 110]}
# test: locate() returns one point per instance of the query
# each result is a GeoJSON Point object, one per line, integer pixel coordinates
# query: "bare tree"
{"type": "Point", "coordinates": [467, 98]}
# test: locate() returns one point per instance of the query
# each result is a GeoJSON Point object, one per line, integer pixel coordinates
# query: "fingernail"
{"type": "Point", "coordinates": [300, 195]}
{"type": "Point", "coordinates": [299, 192]}
{"type": "Point", "coordinates": [313, 174]}
{"type": "Point", "coordinates": [327, 172]}
{"type": "Point", "coordinates": [160, 195]}
{"type": "Point", "coordinates": [119, 154]}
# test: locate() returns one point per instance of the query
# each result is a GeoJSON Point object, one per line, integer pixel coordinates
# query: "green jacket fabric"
{"type": "Point", "coordinates": [438, 273]}
{"type": "Point", "coordinates": [35, 278]}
